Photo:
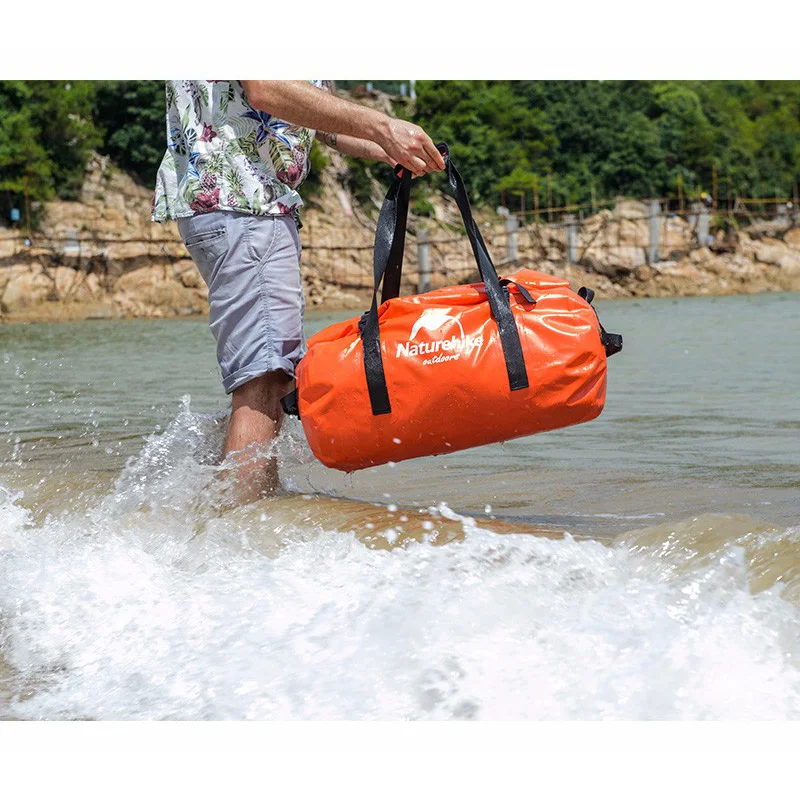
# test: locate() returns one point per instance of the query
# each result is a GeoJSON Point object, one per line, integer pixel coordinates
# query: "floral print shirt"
{"type": "Point", "coordinates": [223, 154]}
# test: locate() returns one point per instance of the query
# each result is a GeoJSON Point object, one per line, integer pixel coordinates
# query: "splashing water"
{"type": "Point", "coordinates": [129, 591]}
{"type": "Point", "coordinates": [138, 608]}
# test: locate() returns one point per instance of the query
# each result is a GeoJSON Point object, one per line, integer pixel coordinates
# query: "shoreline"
{"type": "Point", "coordinates": [100, 257]}
{"type": "Point", "coordinates": [355, 300]}
{"type": "Point", "coordinates": [107, 310]}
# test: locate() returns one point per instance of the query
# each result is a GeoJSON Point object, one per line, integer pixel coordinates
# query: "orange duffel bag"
{"type": "Point", "coordinates": [453, 368]}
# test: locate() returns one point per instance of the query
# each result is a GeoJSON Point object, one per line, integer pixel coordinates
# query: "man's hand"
{"type": "Point", "coordinates": [409, 145]}
{"type": "Point", "coordinates": [301, 103]}
{"type": "Point", "coordinates": [363, 148]}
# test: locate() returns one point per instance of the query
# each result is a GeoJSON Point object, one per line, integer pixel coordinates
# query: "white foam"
{"type": "Point", "coordinates": [147, 607]}
{"type": "Point", "coordinates": [138, 617]}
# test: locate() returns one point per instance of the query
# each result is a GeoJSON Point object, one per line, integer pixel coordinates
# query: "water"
{"type": "Point", "coordinates": [642, 566]}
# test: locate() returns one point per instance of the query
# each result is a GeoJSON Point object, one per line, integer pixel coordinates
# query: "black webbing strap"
{"type": "Point", "coordinates": [388, 265]}
{"type": "Point", "coordinates": [496, 295]}
{"type": "Point", "coordinates": [526, 295]}
{"type": "Point", "coordinates": [388, 255]}
{"type": "Point", "coordinates": [587, 295]}
{"type": "Point", "coordinates": [290, 404]}
{"type": "Point", "coordinates": [612, 342]}
{"type": "Point", "coordinates": [394, 260]}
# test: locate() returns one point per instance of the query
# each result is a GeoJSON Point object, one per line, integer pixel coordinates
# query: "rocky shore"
{"type": "Point", "coordinates": [101, 257]}
{"type": "Point", "coordinates": [613, 256]}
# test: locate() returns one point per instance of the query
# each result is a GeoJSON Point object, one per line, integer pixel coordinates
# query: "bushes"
{"type": "Point", "coordinates": [130, 115]}
{"type": "Point", "coordinates": [617, 137]}
{"type": "Point", "coordinates": [592, 138]}
{"type": "Point", "coordinates": [46, 135]}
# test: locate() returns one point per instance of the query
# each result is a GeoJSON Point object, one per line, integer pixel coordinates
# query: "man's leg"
{"type": "Point", "coordinates": [255, 422]}
{"type": "Point", "coordinates": [251, 266]}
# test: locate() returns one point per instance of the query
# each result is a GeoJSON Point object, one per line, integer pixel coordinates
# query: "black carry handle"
{"type": "Point", "coordinates": [390, 236]}
{"type": "Point", "coordinates": [388, 266]}
{"type": "Point", "coordinates": [388, 254]}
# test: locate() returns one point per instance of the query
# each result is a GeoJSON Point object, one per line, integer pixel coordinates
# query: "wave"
{"type": "Point", "coordinates": [147, 604]}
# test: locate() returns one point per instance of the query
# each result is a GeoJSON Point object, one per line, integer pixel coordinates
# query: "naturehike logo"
{"type": "Point", "coordinates": [432, 321]}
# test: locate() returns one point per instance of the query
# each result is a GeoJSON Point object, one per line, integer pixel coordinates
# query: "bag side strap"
{"type": "Point", "coordinates": [527, 296]}
{"type": "Point", "coordinates": [290, 404]}
{"type": "Point", "coordinates": [612, 342]}
{"type": "Point", "coordinates": [395, 248]}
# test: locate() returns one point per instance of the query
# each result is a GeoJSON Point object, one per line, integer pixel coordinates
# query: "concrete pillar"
{"type": "Point", "coordinates": [571, 227]}
{"type": "Point", "coordinates": [511, 225]}
{"type": "Point", "coordinates": [423, 263]}
{"type": "Point", "coordinates": [72, 244]}
{"type": "Point", "coordinates": [692, 218]}
{"type": "Point", "coordinates": [703, 225]}
{"type": "Point", "coordinates": [654, 222]}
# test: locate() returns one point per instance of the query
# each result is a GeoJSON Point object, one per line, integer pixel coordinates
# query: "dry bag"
{"type": "Point", "coordinates": [453, 368]}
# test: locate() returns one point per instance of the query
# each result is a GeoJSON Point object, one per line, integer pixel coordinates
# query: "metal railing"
{"type": "Point", "coordinates": [633, 232]}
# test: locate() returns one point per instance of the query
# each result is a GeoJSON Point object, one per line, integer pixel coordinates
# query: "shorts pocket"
{"type": "Point", "coordinates": [206, 248]}
{"type": "Point", "coordinates": [261, 235]}
{"type": "Point", "coordinates": [206, 237]}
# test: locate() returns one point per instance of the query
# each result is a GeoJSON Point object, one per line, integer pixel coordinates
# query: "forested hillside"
{"type": "Point", "coordinates": [635, 138]}
{"type": "Point", "coordinates": [564, 141]}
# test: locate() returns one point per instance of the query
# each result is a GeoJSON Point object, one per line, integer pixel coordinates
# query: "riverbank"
{"type": "Point", "coordinates": [34, 292]}
{"type": "Point", "coordinates": [100, 257]}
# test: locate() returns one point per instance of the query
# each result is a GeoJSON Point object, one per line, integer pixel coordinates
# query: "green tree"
{"type": "Point", "coordinates": [635, 165]}
{"type": "Point", "coordinates": [686, 135]}
{"type": "Point", "coordinates": [617, 137]}
{"type": "Point", "coordinates": [45, 138]}
{"type": "Point", "coordinates": [62, 113]}
{"type": "Point", "coordinates": [130, 115]}
{"type": "Point", "coordinates": [490, 128]}
{"type": "Point", "coordinates": [24, 164]}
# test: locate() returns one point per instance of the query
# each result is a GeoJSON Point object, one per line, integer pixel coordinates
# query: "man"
{"type": "Point", "coordinates": [237, 151]}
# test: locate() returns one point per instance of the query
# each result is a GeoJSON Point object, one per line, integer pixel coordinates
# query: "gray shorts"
{"type": "Point", "coordinates": [252, 267]}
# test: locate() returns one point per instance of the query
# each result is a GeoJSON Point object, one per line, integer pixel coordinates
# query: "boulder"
{"type": "Point", "coordinates": [141, 280]}
{"type": "Point", "coordinates": [792, 238]}
{"type": "Point", "coordinates": [26, 286]}
{"type": "Point", "coordinates": [187, 273]}
{"type": "Point", "coordinates": [615, 261]}
{"type": "Point", "coordinates": [73, 284]}
{"type": "Point", "coordinates": [155, 291]}
{"type": "Point", "coordinates": [629, 209]}
{"type": "Point", "coordinates": [700, 255]}
{"type": "Point", "coordinates": [777, 253]}
{"type": "Point", "coordinates": [10, 245]}
{"type": "Point", "coordinates": [66, 281]}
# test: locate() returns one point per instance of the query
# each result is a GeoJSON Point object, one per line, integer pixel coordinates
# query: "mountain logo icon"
{"type": "Point", "coordinates": [433, 319]}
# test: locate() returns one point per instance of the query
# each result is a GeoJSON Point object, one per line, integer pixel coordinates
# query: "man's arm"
{"type": "Point", "coordinates": [353, 146]}
{"type": "Point", "coordinates": [301, 103]}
